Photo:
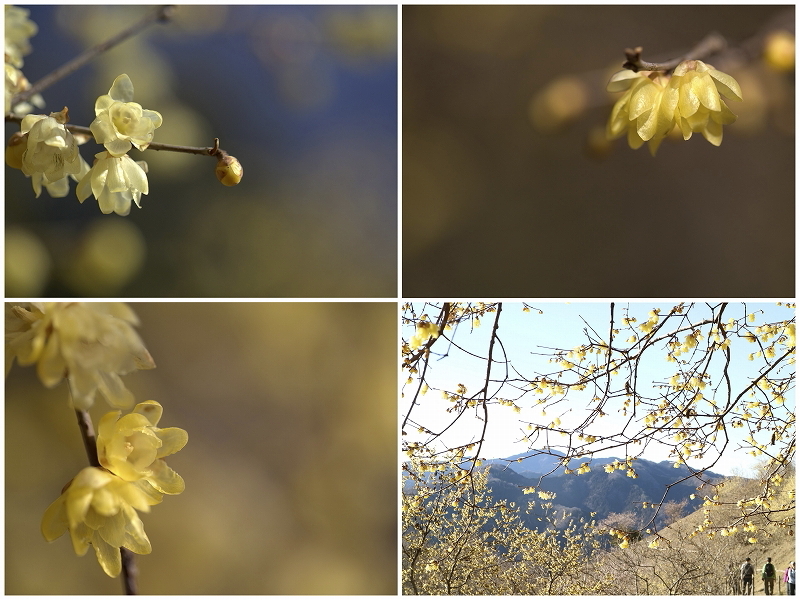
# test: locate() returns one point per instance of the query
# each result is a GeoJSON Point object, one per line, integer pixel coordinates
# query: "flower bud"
{"type": "Point", "coordinates": [17, 145]}
{"type": "Point", "coordinates": [229, 170]}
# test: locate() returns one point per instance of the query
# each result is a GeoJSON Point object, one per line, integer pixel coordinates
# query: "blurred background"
{"type": "Point", "coordinates": [304, 96]}
{"type": "Point", "coordinates": [510, 188]}
{"type": "Point", "coordinates": [290, 468]}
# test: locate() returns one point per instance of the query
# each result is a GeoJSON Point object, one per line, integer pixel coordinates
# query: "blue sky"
{"type": "Point", "coordinates": [524, 335]}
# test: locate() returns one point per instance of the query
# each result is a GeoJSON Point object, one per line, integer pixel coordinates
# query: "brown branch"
{"type": "Point", "coordinates": [710, 45]}
{"type": "Point", "coordinates": [87, 434]}
{"type": "Point", "coordinates": [214, 150]}
{"type": "Point", "coordinates": [162, 13]}
{"type": "Point", "coordinates": [130, 572]}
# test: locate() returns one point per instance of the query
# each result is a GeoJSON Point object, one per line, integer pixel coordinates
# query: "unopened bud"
{"type": "Point", "coordinates": [15, 149]}
{"type": "Point", "coordinates": [229, 170]}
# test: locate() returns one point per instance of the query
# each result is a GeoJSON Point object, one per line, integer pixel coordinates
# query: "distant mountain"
{"type": "Point", "coordinates": [596, 491]}
{"type": "Point", "coordinates": [530, 466]}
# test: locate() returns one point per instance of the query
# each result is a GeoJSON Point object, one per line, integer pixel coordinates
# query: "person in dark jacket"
{"type": "Point", "coordinates": [747, 572]}
{"type": "Point", "coordinates": [768, 575]}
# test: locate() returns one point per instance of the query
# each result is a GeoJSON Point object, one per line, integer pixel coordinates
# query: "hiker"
{"type": "Point", "coordinates": [788, 578]}
{"type": "Point", "coordinates": [747, 572]}
{"type": "Point", "coordinates": [768, 576]}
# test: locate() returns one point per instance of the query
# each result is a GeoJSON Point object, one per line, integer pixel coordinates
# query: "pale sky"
{"type": "Point", "coordinates": [560, 326]}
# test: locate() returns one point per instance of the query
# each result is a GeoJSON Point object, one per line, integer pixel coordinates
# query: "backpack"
{"type": "Point", "coordinates": [769, 570]}
{"type": "Point", "coordinates": [747, 570]}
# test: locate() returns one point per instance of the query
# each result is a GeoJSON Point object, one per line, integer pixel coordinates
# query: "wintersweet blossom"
{"type": "Point", "coordinates": [99, 509]}
{"type": "Point", "coordinates": [16, 83]}
{"type": "Point", "coordinates": [115, 181]}
{"type": "Point", "coordinates": [654, 103]}
{"type": "Point", "coordinates": [700, 107]}
{"type": "Point", "coordinates": [90, 344]}
{"type": "Point", "coordinates": [120, 122]}
{"type": "Point", "coordinates": [133, 448]}
{"type": "Point", "coordinates": [51, 154]}
{"type": "Point", "coordinates": [425, 331]}
{"type": "Point", "coordinates": [645, 112]}
{"type": "Point", "coordinates": [18, 29]}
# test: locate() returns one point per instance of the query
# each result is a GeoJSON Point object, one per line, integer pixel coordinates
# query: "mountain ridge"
{"type": "Point", "coordinates": [596, 491]}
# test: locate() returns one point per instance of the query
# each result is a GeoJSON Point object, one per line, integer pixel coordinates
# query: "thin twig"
{"type": "Point", "coordinates": [130, 572]}
{"type": "Point", "coordinates": [87, 433]}
{"type": "Point", "coordinates": [711, 44]}
{"type": "Point", "coordinates": [214, 150]}
{"type": "Point", "coordinates": [162, 13]}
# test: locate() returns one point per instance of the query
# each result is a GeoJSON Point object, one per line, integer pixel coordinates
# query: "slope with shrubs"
{"type": "Point", "coordinates": [701, 553]}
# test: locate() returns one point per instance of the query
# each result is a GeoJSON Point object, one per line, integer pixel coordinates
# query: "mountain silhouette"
{"type": "Point", "coordinates": [594, 492]}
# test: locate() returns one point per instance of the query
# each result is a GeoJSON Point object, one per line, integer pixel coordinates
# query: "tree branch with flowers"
{"type": "Point", "coordinates": [762, 61]}
{"type": "Point", "coordinates": [90, 346]}
{"type": "Point", "coordinates": [683, 92]}
{"type": "Point", "coordinates": [46, 147]}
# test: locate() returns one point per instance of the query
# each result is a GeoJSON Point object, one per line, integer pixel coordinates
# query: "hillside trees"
{"type": "Point", "coordinates": [458, 540]}
{"type": "Point", "coordinates": [727, 383]}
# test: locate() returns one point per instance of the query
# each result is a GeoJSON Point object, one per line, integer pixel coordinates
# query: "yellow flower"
{"type": "Point", "coordinates": [99, 509]}
{"type": "Point", "coordinates": [115, 181]}
{"type": "Point", "coordinates": [18, 28]}
{"type": "Point", "coordinates": [700, 108]}
{"type": "Point", "coordinates": [425, 330]}
{"type": "Point", "coordinates": [16, 83]}
{"type": "Point", "coordinates": [133, 448]}
{"type": "Point", "coordinates": [51, 154]}
{"type": "Point", "coordinates": [120, 123]}
{"type": "Point", "coordinates": [645, 112]}
{"type": "Point", "coordinates": [89, 344]}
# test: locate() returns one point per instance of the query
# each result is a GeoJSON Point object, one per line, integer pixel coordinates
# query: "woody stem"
{"type": "Point", "coordinates": [87, 433]}
{"type": "Point", "coordinates": [214, 150]}
{"type": "Point", "coordinates": [711, 44]}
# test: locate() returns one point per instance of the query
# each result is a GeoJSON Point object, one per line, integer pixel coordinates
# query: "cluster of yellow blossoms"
{"type": "Point", "coordinates": [88, 344]}
{"type": "Point", "coordinates": [115, 178]}
{"type": "Point", "coordinates": [425, 331]}
{"type": "Point", "coordinates": [18, 30]}
{"type": "Point", "coordinates": [655, 103]}
{"type": "Point", "coordinates": [48, 153]}
{"type": "Point", "coordinates": [91, 345]}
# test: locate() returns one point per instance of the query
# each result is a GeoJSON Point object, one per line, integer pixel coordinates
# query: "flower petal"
{"type": "Point", "coordinates": [151, 410]}
{"type": "Point", "coordinates": [54, 521]}
{"type": "Point", "coordinates": [165, 479]}
{"type": "Point", "coordinates": [172, 440]}
{"type": "Point", "coordinates": [622, 80]}
{"type": "Point", "coordinates": [108, 556]}
{"type": "Point", "coordinates": [713, 132]}
{"type": "Point", "coordinates": [726, 84]}
{"type": "Point", "coordinates": [703, 86]}
{"type": "Point", "coordinates": [122, 89]}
